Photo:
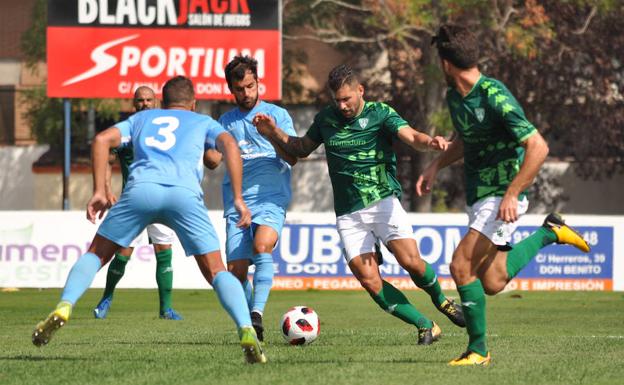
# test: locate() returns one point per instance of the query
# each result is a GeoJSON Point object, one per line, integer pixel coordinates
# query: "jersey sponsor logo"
{"type": "Point", "coordinates": [363, 122]}
{"type": "Point", "coordinates": [479, 113]}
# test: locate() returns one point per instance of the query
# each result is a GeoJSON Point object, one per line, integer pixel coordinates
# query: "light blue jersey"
{"type": "Point", "coordinates": [164, 182]}
{"type": "Point", "coordinates": [266, 177]}
{"type": "Point", "coordinates": [168, 146]}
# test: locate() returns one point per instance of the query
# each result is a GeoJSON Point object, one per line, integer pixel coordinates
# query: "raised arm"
{"type": "Point", "coordinates": [294, 146]}
{"type": "Point", "coordinates": [100, 153]}
{"type": "Point", "coordinates": [536, 151]}
{"type": "Point", "coordinates": [420, 141]}
{"type": "Point", "coordinates": [226, 144]}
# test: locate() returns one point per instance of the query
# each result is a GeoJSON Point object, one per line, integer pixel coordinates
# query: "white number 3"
{"type": "Point", "coordinates": [171, 124]}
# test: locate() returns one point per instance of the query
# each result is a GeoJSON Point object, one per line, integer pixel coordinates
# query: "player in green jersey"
{"type": "Point", "coordinates": [160, 235]}
{"type": "Point", "coordinates": [358, 139]}
{"type": "Point", "coordinates": [502, 154]}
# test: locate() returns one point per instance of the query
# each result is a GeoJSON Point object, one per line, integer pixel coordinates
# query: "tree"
{"type": "Point", "coordinates": [45, 115]}
{"type": "Point", "coordinates": [557, 57]}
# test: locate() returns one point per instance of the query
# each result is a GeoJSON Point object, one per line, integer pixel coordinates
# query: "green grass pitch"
{"type": "Point", "coordinates": [534, 337]}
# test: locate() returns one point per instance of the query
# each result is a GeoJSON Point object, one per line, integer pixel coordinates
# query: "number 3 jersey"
{"type": "Point", "coordinates": [360, 159]}
{"type": "Point", "coordinates": [168, 146]}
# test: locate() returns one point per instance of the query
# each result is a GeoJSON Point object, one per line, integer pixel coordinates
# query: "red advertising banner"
{"type": "Point", "coordinates": [106, 49]}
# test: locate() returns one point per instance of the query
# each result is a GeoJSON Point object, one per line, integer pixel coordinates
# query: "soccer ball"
{"type": "Point", "coordinates": [300, 325]}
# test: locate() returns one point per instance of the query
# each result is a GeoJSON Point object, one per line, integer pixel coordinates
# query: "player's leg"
{"type": "Point", "coordinates": [265, 238]}
{"type": "Point", "coordinates": [188, 217]}
{"type": "Point", "coordinates": [360, 250]}
{"type": "Point", "coordinates": [406, 253]}
{"type": "Point", "coordinates": [553, 230]}
{"type": "Point", "coordinates": [78, 281]}
{"type": "Point", "coordinates": [162, 238]}
{"type": "Point", "coordinates": [238, 251]}
{"type": "Point", "coordinates": [391, 224]}
{"type": "Point", "coordinates": [476, 252]}
{"type": "Point", "coordinates": [473, 252]}
{"type": "Point", "coordinates": [365, 268]}
{"type": "Point", "coordinates": [122, 224]}
{"type": "Point", "coordinates": [116, 270]}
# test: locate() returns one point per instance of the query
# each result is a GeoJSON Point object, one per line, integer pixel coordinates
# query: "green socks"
{"type": "Point", "coordinates": [116, 270]}
{"type": "Point", "coordinates": [429, 283]}
{"type": "Point", "coordinates": [522, 252]}
{"type": "Point", "coordinates": [394, 302]}
{"type": "Point", "coordinates": [164, 278]}
{"type": "Point", "coordinates": [473, 304]}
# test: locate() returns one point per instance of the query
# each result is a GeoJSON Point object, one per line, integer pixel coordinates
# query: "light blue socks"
{"type": "Point", "coordinates": [262, 280]}
{"type": "Point", "coordinates": [232, 297]}
{"type": "Point", "coordinates": [80, 277]}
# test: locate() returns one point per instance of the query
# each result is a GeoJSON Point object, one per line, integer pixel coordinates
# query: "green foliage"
{"type": "Point", "coordinates": [33, 42]}
{"type": "Point", "coordinates": [46, 119]}
{"type": "Point", "coordinates": [534, 337]}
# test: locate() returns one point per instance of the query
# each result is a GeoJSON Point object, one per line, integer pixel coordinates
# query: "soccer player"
{"type": "Point", "coordinates": [502, 154]}
{"type": "Point", "coordinates": [159, 235]}
{"type": "Point", "coordinates": [266, 186]}
{"type": "Point", "coordinates": [362, 166]}
{"type": "Point", "coordinates": [163, 187]}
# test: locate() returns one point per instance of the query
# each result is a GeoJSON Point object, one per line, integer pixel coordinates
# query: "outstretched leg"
{"type": "Point", "coordinates": [232, 297]}
{"type": "Point", "coordinates": [78, 281]}
{"type": "Point", "coordinates": [406, 252]}
{"type": "Point", "coordinates": [366, 269]}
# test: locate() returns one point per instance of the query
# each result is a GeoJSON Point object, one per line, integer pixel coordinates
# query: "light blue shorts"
{"type": "Point", "coordinates": [176, 207]}
{"type": "Point", "coordinates": [239, 242]}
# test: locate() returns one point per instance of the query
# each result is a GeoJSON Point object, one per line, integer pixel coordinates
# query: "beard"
{"type": "Point", "coordinates": [247, 103]}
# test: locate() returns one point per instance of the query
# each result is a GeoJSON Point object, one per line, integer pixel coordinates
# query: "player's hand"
{"type": "Point", "coordinates": [97, 206]}
{"type": "Point", "coordinates": [243, 212]}
{"type": "Point", "coordinates": [508, 209]}
{"type": "Point", "coordinates": [264, 124]}
{"type": "Point", "coordinates": [425, 180]}
{"type": "Point", "coordinates": [112, 198]}
{"type": "Point", "coordinates": [438, 143]}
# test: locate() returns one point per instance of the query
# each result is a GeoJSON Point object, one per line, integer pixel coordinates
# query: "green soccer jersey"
{"type": "Point", "coordinates": [360, 159]}
{"type": "Point", "coordinates": [125, 156]}
{"type": "Point", "coordinates": [492, 125]}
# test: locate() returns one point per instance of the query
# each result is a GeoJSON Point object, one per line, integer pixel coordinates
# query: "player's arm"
{"type": "Point", "coordinates": [112, 198]}
{"type": "Point", "coordinates": [420, 141]}
{"type": "Point", "coordinates": [294, 146]}
{"type": "Point", "coordinates": [212, 158]}
{"type": "Point", "coordinates": [100, 153]}
{"type": "Point", "coordinates": [290, 159]}
{"type": "Point", "coordinates": [453, 153]}
{"type": "Point", "coordinates": [226, 144]}
{"type": "Point", "coordinates": [536, 151]}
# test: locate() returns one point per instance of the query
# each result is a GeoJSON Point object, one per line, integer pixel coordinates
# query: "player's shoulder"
{"type": "Point", "coordinates": [489, 86]}
{"type": "Point", "coordinates": [229, 114]}
{"type": "Point", "coordinates": [379, 107]}
{"type": "Point", "coordinates": [329, 112]}
{"type": "Point", "coordinates": [273, 109]}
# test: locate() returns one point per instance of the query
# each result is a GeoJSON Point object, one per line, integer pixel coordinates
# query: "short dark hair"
{"type": "Point", "coordinates": [178, 91]}
{"type": "Point", "coordinates": [458, 45]}
{"type": "Point", "coordinates": [236, 69]}
{"type": "Point", "coordinates": [341, 75]}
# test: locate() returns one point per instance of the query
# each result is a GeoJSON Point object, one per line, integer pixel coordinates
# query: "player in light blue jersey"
{"type": "Point", "coordinates": [266, 186]}
{"type": "Point", "coordinates": [163, 187]}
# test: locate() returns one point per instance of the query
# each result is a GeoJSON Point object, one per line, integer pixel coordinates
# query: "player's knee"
{"type": "Point", "coordinates": [492, 288]}
{"type": "Point", "coordinates": [371, 284]}
{"type": "Point", "coordinates": [262, 248]}
{"type": "Point", "coordinates": [460, 269]}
